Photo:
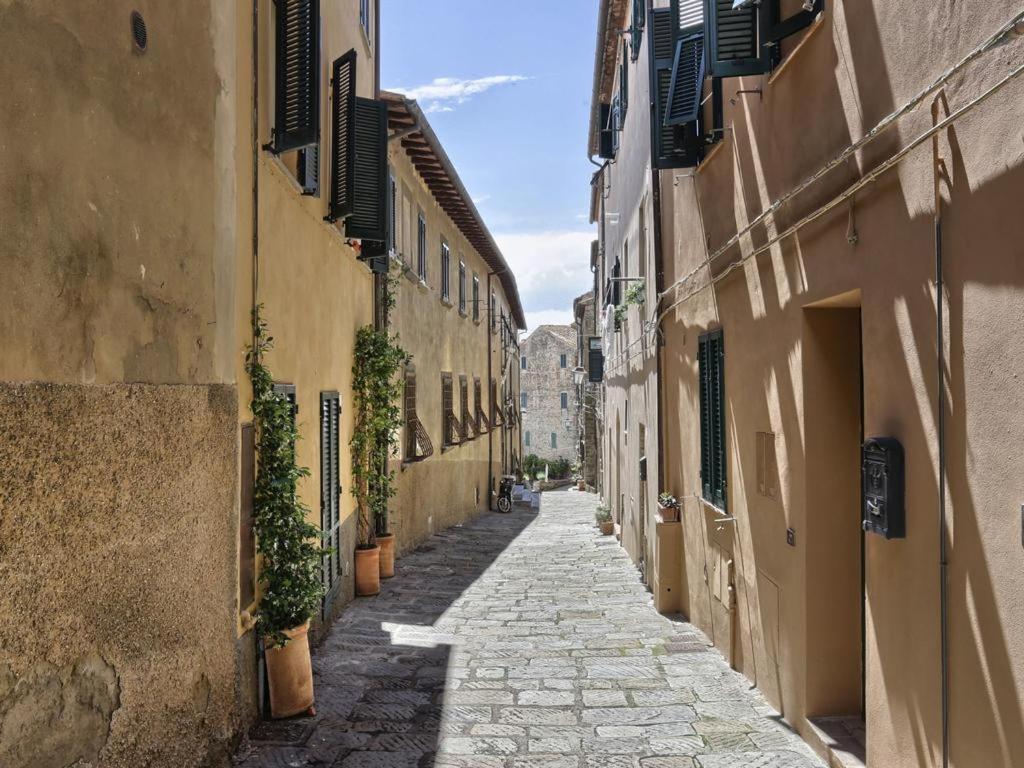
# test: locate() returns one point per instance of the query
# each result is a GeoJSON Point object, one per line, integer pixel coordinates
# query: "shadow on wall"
{"type": "Point", "coordinates": [381, 674]}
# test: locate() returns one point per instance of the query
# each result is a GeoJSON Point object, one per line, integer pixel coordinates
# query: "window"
{"type": "Point", "coordinates": [636, 28]}
{"type": "Point", "coordinates": [676, 35]}
{"type": "Point", "coordinates": [421, 247]}
{"type": "Point", "coordinates": [446, 257]}
{"type": "Point", "coordinates": [408, 225]}
{"type": "Point", "coordinates": [494, 310]}
{"type": "Point", "coordinates": [711, 359]}
{"type": "Point", "coordinates": [522, 399]}
{"type": "Point", "coordinates": [297, 82]}
{"type": "Point", "coordinates": [522, 362]}
{"type": "Point", "coordinates": [562, 361]}
{"type": "Point", "coordinates": [526, 438]}
{"type": "Point", "coordinates": [365, 19]}
{"type": "Point", "coordinates": [476, 299]}
{"type": "Point", "coordinates": [564, 397]}
{"type": "Point", "coordinates": [466, 420]}
{"type": "Point", "coordinates": [462, 287]}
{"type": "Point", "coordinates": [450, 427]}
{"type": "Point", "coordinates": [330, 488]}
{"type": "Point", "coordinates": [483, 424]}
{"type": "Point", "coordinates": [554, 440]}
{"type": "Point", "coordinates": [496, 415]}
{"type": "Point", "coordinates": [417, 441]}
{"type": "Point", "coordinates": [393, 204]}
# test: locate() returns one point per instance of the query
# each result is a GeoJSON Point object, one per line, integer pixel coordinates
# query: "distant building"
{"type": "Point", "coordinates": [548, 393]}
{"type": "Point", "coordinates": [588, 391]}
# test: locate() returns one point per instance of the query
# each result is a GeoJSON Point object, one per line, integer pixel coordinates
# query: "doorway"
{"type": "Point", "coordinates": [833, 539]}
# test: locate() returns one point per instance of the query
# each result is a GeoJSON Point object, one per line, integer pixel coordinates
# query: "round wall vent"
{"type": "Point", "coordinates": [139, 34]}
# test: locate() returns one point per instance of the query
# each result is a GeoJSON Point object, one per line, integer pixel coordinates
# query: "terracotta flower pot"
{"type": "Point", "coordinates": [608, 528]}
{"type": "Point", "coordinates": [668, 514]}
{"type": "Point", "coordinates": [368, 571]}
{"type": "Point", "coordinates": [387, 555]}
{"type": "Point", "coordinates": [581, 485]}
{"type": "Point", "coordinates": [290, 675]}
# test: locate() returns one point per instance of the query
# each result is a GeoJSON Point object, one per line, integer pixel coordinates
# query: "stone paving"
{"type": "Point", "coordinates": [524, 641]}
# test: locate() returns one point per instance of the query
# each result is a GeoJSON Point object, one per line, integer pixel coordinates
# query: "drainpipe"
{"type": "Point", "coordinates": [938, 171]}
{"type": "Point", "coordinates": [255, 118]}
{"type": "Point", "coordinates": [490, 376]}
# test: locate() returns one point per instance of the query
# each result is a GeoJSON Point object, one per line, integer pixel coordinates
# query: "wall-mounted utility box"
{"type": "Point", "coordinates": [882, 493]}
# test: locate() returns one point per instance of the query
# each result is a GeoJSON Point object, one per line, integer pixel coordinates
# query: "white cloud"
{"type": "Point", "coordinates": [551, 268]}
{"type": "Point", "coordinates": [442, 93]}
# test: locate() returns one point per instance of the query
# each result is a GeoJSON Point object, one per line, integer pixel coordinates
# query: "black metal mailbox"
{"type": "Point", "coordinates": [882, 492]}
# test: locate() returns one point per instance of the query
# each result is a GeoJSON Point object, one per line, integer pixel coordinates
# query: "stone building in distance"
{"type": "Point", "coordinates": [547, 395]}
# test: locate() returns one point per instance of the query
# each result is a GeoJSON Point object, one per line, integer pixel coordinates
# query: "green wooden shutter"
{"type": "Point", "coordinates": [793, 24]}
{"type": "Point", "coordinates": [623, 86]}
{"type": "Point", "coordinates": [706, 476]}
{"type": "Point", "coordinates": [687, 85]}
{"type": "Point", "coordinates": [297, 76]}
{"type": "Point", "coordinates": [605, 149]}
{"type": "Point", "coordinates": [330, 488]}
{"type": "Point", "coordinates": [636, 28]}
{"type": "Point", "coordinates": [672, 146]}
{"type": "Point", "coordinates": [717, 353]}
{"type": "Point", "coordinates": [343, 128]}
{"type": "Point", "coordinates": [735, 45]}
{"type": "Point", "coordinates": [370, 208]}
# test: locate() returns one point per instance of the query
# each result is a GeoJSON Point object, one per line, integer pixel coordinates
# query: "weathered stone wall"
{"type": "Point", "coordinates": [544, 380]}
{"type": "Point", "coordinates": [587, 394]}
{"type": "Point", "coordinates": [117, 560]}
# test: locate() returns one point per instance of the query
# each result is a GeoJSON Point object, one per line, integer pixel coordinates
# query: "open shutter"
{"type": "Point", "coordinates": [605, 149]}
{"type": "Point", "coordinates": [309, 170]}
{"type": "Point", "coordinates": [343, 126]}
{"type": "Point", "coordinates": [636, 29]}
{"type": "Point", "coordinates": [672, 146]}
{"type": "Point", "coordinates": [623, 86]}
{"type": "Point", "coordinates": [297, 76]}
{"type": "Point", "coordinates": [616, 123]}
{"type": "Point", "coordinates": [370, 212]}
{"type": "Point", "coordinates": [687, 81]}
{"type": "Point", "coordinates": [735, 47]}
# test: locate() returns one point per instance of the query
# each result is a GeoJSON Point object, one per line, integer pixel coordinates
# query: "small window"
{"type": "Point", "coordinates": [462, 287]}
{"type": "Point", "coordinates": [393, 203]}
{"type": "Point", "coordinates": [711, 363]}
{"type": "Point", "coordinates": [466, 427]}
{"type": "Point", "coordinates": [476, 299]}
{"type": "Point", "coordinates": [421, 247]}
{"type": "Point", "coordinates": [494, 310]}
{"type": "Point", "coordinates": [563, 361]}
{"type": "Point", "coordinates": [446, 257]}
{"type": "Point", "coordinates": [526, 438]}
{"type": "Point", "coordinates": [565, 400]}
{"type": "Point", "coordinates": [417, 442]}
{"type": "Point", "coordinates": [330, 487]}
{"type": "Point", "coordinates": [554, 439]}
{"type": "Point", "coordinates": [450, 427]}
{"type": "Point", "coordinates": [522, 362]}
{"type": "Point", "coordinates": [522, 399]}
{"type": "Point", "coordinates": [483, 424]}
{"type": "Point", "coordinates": [366, 19]}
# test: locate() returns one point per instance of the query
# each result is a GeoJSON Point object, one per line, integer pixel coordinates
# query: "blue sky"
{"type": "Point", "coordinates": [506, 86]}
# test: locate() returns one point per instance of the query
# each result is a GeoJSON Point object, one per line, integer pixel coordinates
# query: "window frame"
{"type": "Point", "coordinates": [462, 287]}
{"type": "Point", "coordinates": [421, 246]}
{"type": "Point", "coordinates": [446, 269]}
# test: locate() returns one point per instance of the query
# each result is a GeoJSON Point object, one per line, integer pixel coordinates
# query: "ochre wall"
{"type": "Point", "coordinates": [452, 485]}
{"type": "Point", "coordinates": [118, 501]}
{"type": "Point", "coordinates": [856, 67]}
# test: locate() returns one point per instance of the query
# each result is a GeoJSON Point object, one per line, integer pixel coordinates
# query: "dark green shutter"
{"type": "Point", "coordinates": [687, 81]}
{"type": "Point", "coordinates": [718, 417]}
{"type": "Point", "coordinates": [795, 23]}
{"type": "Point", "coordinates": [343, 127]}
{"type": "Point", "coordinates": [605, 149]}
{"type": "Point", "coordinates": [595, 362]}
{"type": "Point", "coordinates": [735, 44]}
{"type": "Point", "coordinates": [297, 75]}
{"type": "Point", "coordinates": [623, 86]}
{"type": "Point", "coordinates": [309, 170]}
{"type": "Point", "coordinates": [616, 123]}
{"type": "Point", "coordinates": [636, 28]}
{"type": "Point", "coordinates": [672, 146]}
{"type": "Point", "coordinates": [705, 418]}
{"type": "Point", "coordinates": [713, 470]}
{"type": "Point", "coordinates": [369, 219]}
{"type": "Point", "coordinates": [330, 487]}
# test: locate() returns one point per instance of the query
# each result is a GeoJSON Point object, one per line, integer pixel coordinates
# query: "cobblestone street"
{"type": "Point", "coordinates": [524, 640]}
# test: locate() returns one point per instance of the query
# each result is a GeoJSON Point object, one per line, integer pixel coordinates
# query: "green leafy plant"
{"type": "Point", "coordinates": [635, 295]}
{"type": "Point", "coordinates": [291, 547]}
{"type": "Point", "coordinates": [620, 313]}
{"type": "Point", "coordinates": [603, 514]}
{"type": "Point", "coordinates": [667, 500]}
{"type": "Point", "coordinates": [376, 389]}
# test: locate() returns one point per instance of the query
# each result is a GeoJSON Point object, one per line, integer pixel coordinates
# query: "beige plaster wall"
{"type": "Point", "coordinates": [453, 484]}
{"type": "Point", "coordinates": [854, 69]}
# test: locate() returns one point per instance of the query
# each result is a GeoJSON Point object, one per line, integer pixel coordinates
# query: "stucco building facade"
{"type": "Point", "coordinates": [547, 397]}
{"type": "Point", "coordinates": [836, 258]}
{"type": "Point", "coordinates": [590, 364]}
{"type": "Point", "coordinates": [164, 173]}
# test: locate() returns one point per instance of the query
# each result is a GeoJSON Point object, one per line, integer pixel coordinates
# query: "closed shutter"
{"type": "Point", "coordinates": [623, 86]}
{"type": "Point", "coordinates": [636, 28]}
{"type": "Point", "coordinates": [343, 127]}
{"type": "Point", "coordinates": [309, 170]}
{"type": "Point", "coordinates": [297, 75]}
{"type": "Point", "coordinates": [687, 81]}
{"type": "Point", "coordinates": [330, 488]}
{"type": "Point", "coordinates": [369, 214]}
{"type": "Point", "coordinates": [711, 360]}
{"type": "Point", "coordinates": [595, 361]}
{"type": "Point", "coordinates": [606, 150]}
{"type": "Point", "coordinates": [672, 146]}
{"type": "Point", "coordinates": [616, 123]}
{"type": "Point", "coordinates": [734, 41]}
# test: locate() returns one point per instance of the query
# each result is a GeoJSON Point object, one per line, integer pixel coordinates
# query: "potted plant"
{"type": "Point", "coordinates": [290, 547]}
{"type": "Point", "coordinates": [603, 515]}
{"type": "Point", "coordinates": [375, 395]}
{"type": "Point", "coordinates": [668, 507]}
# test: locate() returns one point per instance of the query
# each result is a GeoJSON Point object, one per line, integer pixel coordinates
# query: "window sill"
{"type": "Point", "coordinates": [716, 150]}
{"type": "Point", "coordinates": [447, 302]}
{"type": "Point", "coordinates": [462, 313]}
{"type": "Point", "coordinates": [477, 321]}
{"type": "Point", "coordinates": [817, 24]}
{"type": "Point", "coordinates": [422, 285]}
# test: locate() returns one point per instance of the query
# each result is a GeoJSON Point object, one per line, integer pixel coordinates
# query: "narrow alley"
{"type": "Point", "coordinates": [523, 640]}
